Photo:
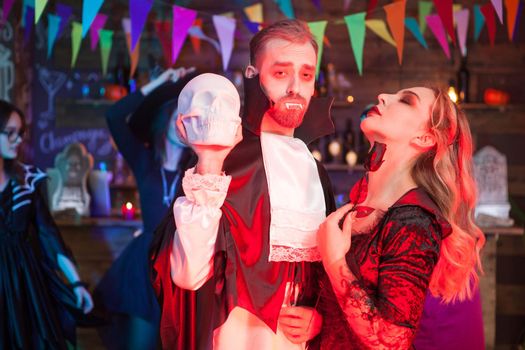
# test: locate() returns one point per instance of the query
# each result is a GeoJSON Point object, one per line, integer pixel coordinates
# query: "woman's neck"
{"type": "Point", "coordinates": [172, 156]}
{"type": "Point", "coordinates": [392, 180]}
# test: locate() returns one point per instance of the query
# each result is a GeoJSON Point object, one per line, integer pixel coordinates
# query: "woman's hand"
{"type": "Point", "coordinates": [211, 158]}
{"type": "Point", "coordinates": [300, 323]}
{"type": "Point", "coordinates": [332, 242]}
{"type": "Point", "coordinates": [168, 75]}
{"type": "Point", "coordinates": [84, 300]}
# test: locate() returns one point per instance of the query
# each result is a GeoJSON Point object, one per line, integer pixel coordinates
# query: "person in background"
{"type": "Point", "coordinates": [37, 309]}
{"type": "Point", "coordinates": [410, 230]}
{"type": "Point", "coordinates": [142, 125]}
{"type": "Point", "coordinates": [238, 264]}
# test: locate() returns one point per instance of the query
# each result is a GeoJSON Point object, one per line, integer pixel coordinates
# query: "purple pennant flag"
{"type": "Point", "coordinates": [253, 27]}
{"type": "Point", "coordinates": [29, 18]}
{"type": "Point", "coordinates": [317, 4]}
{"type": "Point", "coordinates": [138, 10]}
{"type": "Point", "coordinates": [6, 8]}
{"type": "Point", "coordinates": [183, 19]}
{"type": "Point", "coordinates": [225, 28]}
{"type": "Point", "coordinates": [96, 26]}
{"type": "Point", "coordinates": [64, 12]}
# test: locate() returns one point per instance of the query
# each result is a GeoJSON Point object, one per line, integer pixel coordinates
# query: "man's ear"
{"type": "Point", "coordinates": [250, 72]}
{"type": "Point", "coordinates": [425, 141]}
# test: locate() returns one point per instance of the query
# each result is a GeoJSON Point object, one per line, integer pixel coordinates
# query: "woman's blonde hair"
{"type": "Point", "coordinates": [446, 173]}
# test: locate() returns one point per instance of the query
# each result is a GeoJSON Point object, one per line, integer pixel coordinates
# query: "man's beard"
{"type": "Point", "coordinates": [289, 111]}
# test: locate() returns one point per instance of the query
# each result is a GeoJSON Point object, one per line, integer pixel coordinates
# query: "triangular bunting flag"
{"type": "Point", "coordinates": [378, 26]}
{"type": "Point", "coordinates": [317, 4]}
{"type": "Point", "coordinates": [138, 11]}
{"type": "Point", "coordinates": [512, 13]}
{"type": "Point", "coordinates": [488, 13]}
{"type": "Point", "coordinates": [225, 28]}
{"type": "Point", "coordinates": [424, 8]}
{"type": "Point", "coordinates": [395, 16]}
{"type": "Point", "coordinates": [183, 19]}
{"type": "Point", "coordinates": [498, 6]}
{"type": "Point", "coordinates": [370, 7]}
{"type": "Point", "coordinates": [106, 41]}
{"type": "Point", "coordinates": [64, 12]}
{"type": "Point", "coordinates": [462, 28]}
{"type": "Point", "coordinates": [133, 53]}
{"type": "Point", "coordinates": [197, 32]}
{"type": "Point", "coordinates": [252, 26]}
{"type": "Point", "coordinates": [456, 8]}
{"type": "Point", "coordinates": [26, 5]}
{"type": "Point", "coordinates": [29, 17]}
{"type": "Point", "coordinates": [90, 9]}
{"type": "Point", "coordinates": [413, 26]}
{"type": "Point", "coordinates": [317, 29]}
{"type": "Point", "coordinates": [436, 26]}
{"type": "Point", "coordinates": [53, 23]}
{"type": "Point", "coordinates": [163, 30]}
{"type": "Point", "coordinates": [76, 39]}
{"type": "Point", "coordinates": [195, 41]}
{"type": "Point", "coordinates": [40, 5]}
{"type": "Point", "coordinates": [286, 7]}
{"type": "Point", "coordinates": [356, 30]}
{"type": "Point", "coordinates": [444, 10]}
{"type": "Point", "coordinates": [254, 13]}
{"type": "Point", "coordinates": [6, 9]}
{"type": "Point", "coordinates": [98, 23]}
{"type": "Point", "coordinates": [479, 21]}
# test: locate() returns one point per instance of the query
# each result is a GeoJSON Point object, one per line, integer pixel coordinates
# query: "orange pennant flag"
{"type": "Point", "coordinates": [512, 12]}
{"type": "Point", "coordinates": [395, 17]}
{"type": "Point", "coordinates": [196, 42]}
{"type": "Point", "coordinates": [133, 56]}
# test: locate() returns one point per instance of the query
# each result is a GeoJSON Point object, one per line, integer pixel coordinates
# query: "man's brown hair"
{"type": "Point", "coordinates": [291, 30]}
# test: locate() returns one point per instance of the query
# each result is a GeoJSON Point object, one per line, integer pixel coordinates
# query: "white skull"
{"type": "Point", "coordinates": [209, 105]}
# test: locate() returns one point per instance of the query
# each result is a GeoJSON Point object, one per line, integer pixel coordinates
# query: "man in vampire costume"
{"type": "Point", "coordinates": [235, 264]}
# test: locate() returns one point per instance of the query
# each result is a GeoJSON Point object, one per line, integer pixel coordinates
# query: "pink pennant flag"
{"type": "Point", "coordinates": [444, 9]}
{"type": "Point", "coordinates": [6, 8]}
{"type": "Point", "coordinates": [183, 18]}
{"type": "Point", "coordinates": [436, 26]}
{"type": "Point", "coordinates": [490, 20]}
{"type": "Point", "coordinates": [225, 28]}
{"type": "Point", "coordinates": [96, 26]}
{"type": "Point", "coordinates": [461, 18]}
{"type": "Point", "coordinates": [498, 6]}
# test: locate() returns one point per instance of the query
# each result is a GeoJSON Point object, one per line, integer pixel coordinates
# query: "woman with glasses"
{"type": "Point", "coordinates": [37, 309]}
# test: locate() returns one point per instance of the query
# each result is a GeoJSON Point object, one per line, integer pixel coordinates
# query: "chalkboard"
{"type": "Point", "coordinates": [7, 66]}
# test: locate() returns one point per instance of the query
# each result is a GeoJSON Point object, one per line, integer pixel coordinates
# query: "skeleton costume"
{"type": "Point", "coordinates": [245, 242]}
{"type": "Point", "coordinates": [37, 309]}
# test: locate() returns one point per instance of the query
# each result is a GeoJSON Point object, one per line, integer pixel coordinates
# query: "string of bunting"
{"type": "Point", "coordinates": [449, 24]}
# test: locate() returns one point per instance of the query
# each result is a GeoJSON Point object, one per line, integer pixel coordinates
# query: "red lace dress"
{"type": "Point", "coordinates": [392, 266]}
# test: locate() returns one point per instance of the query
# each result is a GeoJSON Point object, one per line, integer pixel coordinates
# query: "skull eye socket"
{"type": "Point", "coordinates": [203, 99]}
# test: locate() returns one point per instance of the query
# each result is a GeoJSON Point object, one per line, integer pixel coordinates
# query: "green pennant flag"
{"type": "Point", "coordinates": [424, 10]}
{"type": "Point", "coordinates": [356, 30]}
{"type": "Point", "coordinates": [106, 41]}
{"type": "Point", "coordinates": [479, 21]}
{"type": "Point", "coordinates": [317, 29]}
{"type": "Point", "coordinates": [76, 39]}
{"type": "Point", "coordinates": [39, 9]}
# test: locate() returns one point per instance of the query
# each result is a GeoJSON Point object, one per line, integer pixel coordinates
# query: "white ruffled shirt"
{"type": "Point", "coordinates": [297, 209]}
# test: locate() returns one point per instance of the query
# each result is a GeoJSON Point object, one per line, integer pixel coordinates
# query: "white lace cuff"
{"type": "Point", "coordinates": [205, 190]}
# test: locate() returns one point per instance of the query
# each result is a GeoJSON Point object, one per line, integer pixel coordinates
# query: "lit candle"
{"type": "Point", "coordinates": [128, 211]}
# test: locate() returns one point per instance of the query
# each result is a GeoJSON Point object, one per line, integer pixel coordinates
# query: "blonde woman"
{"type": "Point", "coordinates": [408, 228]}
